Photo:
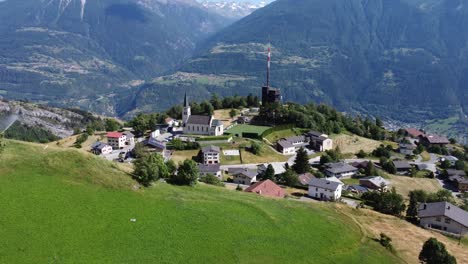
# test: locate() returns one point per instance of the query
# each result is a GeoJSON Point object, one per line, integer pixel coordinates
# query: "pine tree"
{"type": "Point", "coordinates": [301, 163]}
{"type": "Point", "coordinates": [412, 211]}
{"type": "Point", "coordinates": [434, 252]}
{"type": "Point", "coordinates": [269, 173]}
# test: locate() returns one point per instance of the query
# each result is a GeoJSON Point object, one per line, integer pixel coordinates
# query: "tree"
{"type": "Point", "coordinates": [239, 188]}
{"type": "Point", "coordinates": [140, 124]}
{"type": "Point", "coordinates": [434, 252]}
{"type": "Point", "coordinates": [453, 141]}
{"type": "Point", "coordinates": [370, 169]}
{"type": "Point", "coordinates": [2, 143]}
{"type": "Point", "coordinates": [149, 169]}
{"type": "Point", "coordinates": [269, 173]}
{"type": "Point", "coordinates": [445, 164]}
{"type": "Point", "coordinates": [361, 154]}
{"type": "Point", "coordinates": [232, 113]}
{"type": "Point", "coordinates": [412, 211]}
{"type": "Point", "coordinates": [301, 163]}
{"type": "Point", "coordinates": [289, 178]}
{"type": "Point", "coordinates": [386, 241]}
{"type": "Point", "coordinates": [385, 202]}
{"type": "Point", "coordinates": [188, 173]}
{"type": "Point", "coordinates": [171, 167]}
{"type": "Point", "coordinates": [212, 180]}
{"type": "Point", "coordinates": [255, 148]}
{"type": "Point", "coordinates": [460, 165]}
{"type": "Point", "coordinates": [111, 125]}
{"type": "Point", "coordinates": [216, 102]}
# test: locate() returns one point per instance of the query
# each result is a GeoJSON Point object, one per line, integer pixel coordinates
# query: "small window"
{"type": "Point", "coordinates": [448, 220]}
{"type": "Point", "coordinates": [438, 219]}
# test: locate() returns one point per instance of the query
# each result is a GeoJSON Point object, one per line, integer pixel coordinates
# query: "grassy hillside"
{"type": "Point", "coordinates": [62, 206]}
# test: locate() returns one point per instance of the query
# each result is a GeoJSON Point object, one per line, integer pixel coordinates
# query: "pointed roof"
{"type": "Point", "coordinates": [185, 100]}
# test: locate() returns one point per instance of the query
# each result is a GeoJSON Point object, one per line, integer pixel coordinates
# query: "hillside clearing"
{"type": "Point", "coordinates": [404, 184]}
{"type": "Point", "coordinates": [69, 207]}
{"type": "Point", "coordinates": [353, 143]}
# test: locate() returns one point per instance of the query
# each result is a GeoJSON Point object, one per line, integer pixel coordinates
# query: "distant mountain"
{"type": "Point", "coordinates": [233, 9]}
{"type": "Point", "coordinates": [400, 59]}
{"type": "Point", "coordinates": [93, 53]}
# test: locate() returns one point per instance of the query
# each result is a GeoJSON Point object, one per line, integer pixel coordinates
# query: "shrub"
{"type": "Point", "coordinates": [386, 241]}
{"type": "Point", "coordinates": [434, 252]}
{"type": "Point", "coordinates": [212, 180]}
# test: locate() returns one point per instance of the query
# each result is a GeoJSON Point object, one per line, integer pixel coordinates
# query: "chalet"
{"type": "Point", "coordinates": [211, 155]}
{"type": "Point", "coordinates": [266, 188]}
{"type": "Point", "coordinates": [286, 147]}
{"type": "Point", "coordinates": [213, 169]}
{"type": "Point", "coordinates": [319, 141]}
{"type": "Point", "coordinates": [413, 132]}
{"type": "Point", "coordinates": [116, 140]}
{"type": "Point", "coordinates": [305, 178]}
{"type": "Point", "coordinates": [375, 183]}
{"type": "Point", "coordinates": [443, 216]}
{"type": "Point", "coordinates": [101, 148]}
{"type": "Point", "coordinates": [406, 149]}
{"type": "Point", "coordinates": [433, 140]}
{"type": "Point", "coordinates": [402, 167]}
{"type": "Point", "coordinates": [243, 176]}
{"type": "Point", "coordinates": [325, 189]}
{"type": "Point", "coordinates": [200, 124]}
{"type": "Point", "coordinates": [340, 170]}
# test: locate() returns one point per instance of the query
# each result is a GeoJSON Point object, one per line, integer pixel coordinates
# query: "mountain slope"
{"type": "Point", "coordinates": [76, 51]}
{"type": "Point", "coordinates": [401, 59]}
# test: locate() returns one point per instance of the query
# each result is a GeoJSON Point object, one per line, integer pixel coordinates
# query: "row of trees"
{"type": "Point", "coordinates": [390, 203]}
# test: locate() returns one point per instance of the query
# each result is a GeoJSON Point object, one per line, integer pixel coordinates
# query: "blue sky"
{"type": "Point", "coordinates": [249, 1]}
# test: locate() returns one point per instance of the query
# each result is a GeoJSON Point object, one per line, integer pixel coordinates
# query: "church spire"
{"type": "Point", "coordinates": [185, 100]}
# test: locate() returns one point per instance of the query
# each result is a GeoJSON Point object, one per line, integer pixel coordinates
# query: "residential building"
{"type": "Point", "coordinates": [458, 177]}
{"type": "Point", "coordinates": [413, 132]}
{"type": "Point", "coordinates": [213, 169]}
{"type": "Point", "coordinates": [130, 138]}
{"type": "Point", "coordinates": [171, 122]}
{"type": "Point", "coordinates": [200, 124]}
{"type": "Point", "coordinates": [244, 176]}
{"type": "Point", "coordinates": [101, 148]}
{"type": "Point", "coordinates": [426, 166]}
{"type": "Point", "coordinates": [267, 188]}
{"type": "Point", "coordinates": [451, 159]}
{"type": "Point", "coordinates": [433, 140]}
{"type": "Point", "coordinates": [286, 147]}
{"type": "Point", "coordinates": [319, 141]}
{"type": "Point", "coordinates": [443, 216]}
{"type": "Point", "coordinates": [357, 189]}
{"type": "Point", "coordinates": [305, 178]}
{"type": "Point", "coordinates": [340, 170]}
{"type": "Point", "coordinates": [211, 155]}
{"type": "Point", "coordinates": [325, 189]}
{"type": "Point", "coordinates": [402, 166]}
{"type": "Point", "coordinates": [116, 140]}
{"type": "Point", "coordinates": [407, 149]}
{"type": "Point", "coordinates": [375, 183]}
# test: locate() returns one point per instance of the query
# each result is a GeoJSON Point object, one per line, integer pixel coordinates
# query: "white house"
{"type": "Point", "coordinates": [200, 124]}
{"type": "Point", "coordinates": [325, 189]}
{"type": "Point", "coordinates": [340, 170]}
{"type": "Point", "coordinates": [101, 148]}
{"type": "Point", "coordinates": [286, 147]}
{"type": "Point", "coordinates": [116, 140]}
{"type": "Point", "coordinates": [130, 138]}
{"type": "Point", "coordinates": [319, 141]}
{"type": "Point", "coordinates": [213, 169]}
{"type": "Point", "coordinates": [244, 176]}
{"type": "Point", "coordinates": [443, 216]}
{"type": "Point", "coordinates": [211, 155]}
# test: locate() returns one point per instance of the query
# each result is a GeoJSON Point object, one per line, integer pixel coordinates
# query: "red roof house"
{"type": "Point", "coordinates": [413, 132]}
{"type": "Point", "coordinates": [114, 135]}
{"type": "Point", "coordinates": [267, 188]}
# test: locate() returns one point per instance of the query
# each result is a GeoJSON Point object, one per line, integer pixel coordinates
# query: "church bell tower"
{"type": "Point", "coordinates": [186, 112]}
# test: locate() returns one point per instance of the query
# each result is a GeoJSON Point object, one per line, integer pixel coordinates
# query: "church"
{"type": "Point", "coordinates": [200, 124]}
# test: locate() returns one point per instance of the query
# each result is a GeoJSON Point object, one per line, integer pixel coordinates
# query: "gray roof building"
{"type": "Point", "coordinates": [324, 184]}
{"type": "Point", "coordinates": [443, 209]}
{"type": "Point", "coordinates": [285, 144]}
{"type": "Point", "coordinates": [99, 146]}
{"type": "Point", "coordinates": [340, 167]}
{"type": "Point", "coordinates": [209, 168]}
{"type": "Point", "coordinates": [244, 172]}
{"type": "Point", "coordinates": [401, 165]}
{"type": "Point", "coordinates": [199, 120]}
{"type": "Point", "coordinates": [374, 182]}
{"type": "Point", "coordinates": [211, 149]}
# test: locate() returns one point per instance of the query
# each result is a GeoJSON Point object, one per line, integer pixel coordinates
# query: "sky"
{"type": "Point", "coordinates": [248, 1]}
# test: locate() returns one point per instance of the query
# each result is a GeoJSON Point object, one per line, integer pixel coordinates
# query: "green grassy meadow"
{"type": "Point", "coordinates": [239, 129]}
{"type": "Point", "coordinates": [63, 206]}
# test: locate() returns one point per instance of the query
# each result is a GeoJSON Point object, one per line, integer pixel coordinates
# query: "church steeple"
{"type": "Point", "coordinates": [185, 100]}
{"type": "Point", "coordinates": [186, 111]}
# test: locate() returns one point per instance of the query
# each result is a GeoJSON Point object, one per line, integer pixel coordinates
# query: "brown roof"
{"type": "Point", "coordinates": [435, 139]}
{"type": "Point", "coordinates": [414, 132]}
{"type": "Point", "coordinates": [266, 188]}
{"type": "Point", "coordinates": [305, 178]}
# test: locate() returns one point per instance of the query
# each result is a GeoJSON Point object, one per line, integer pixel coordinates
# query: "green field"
{"type": "Point", "coordinates": [239, 129]}
{"type": "Point", "coordinates": [63, 206]}
{"type": "Point", "coordinates": [277, 135]}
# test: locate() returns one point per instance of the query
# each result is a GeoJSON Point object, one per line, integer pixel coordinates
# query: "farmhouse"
{"type": "Point", "coordinates": [101, 148]}
{"type": "Point", "coordinates": [211, 155]}
{"type": "Point", "coordinates": [244, 176]}
{"type": "Point", "coordinates": [444, 216]}
{"type": "Point", "coordinates": [319, 141]}
{"type": "Point", "coordinates": [433, 140]}
{"type": "Point", "coordinates": [267, 188]}
{"type": "Point", "coordinates": [213, 169]}
{"type": "Point", "coordinates": [413, 132]}
{"type": "Point", "coordinates": [116, 140]}
{"type": "Point", "coordinates": [406, 149]}
{"type": "Point", "coordinates": [324, 189]}
{"type": "Point", "coordinates": [375, 183]}
{"type": "Point", "coordinates": [200, 124]}
{"type": "Point", "coordinates": [340, 170]}
{"type": "Point", "coordinates": [401, 166]}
